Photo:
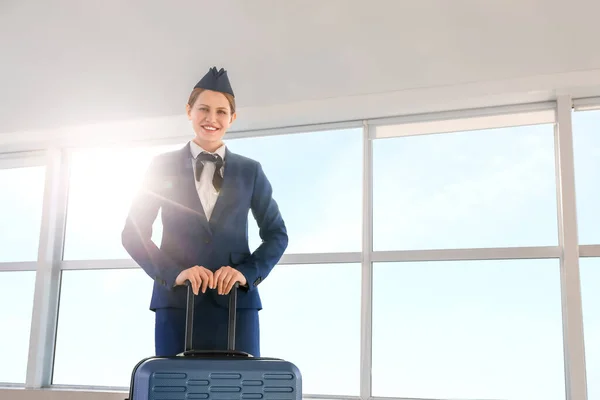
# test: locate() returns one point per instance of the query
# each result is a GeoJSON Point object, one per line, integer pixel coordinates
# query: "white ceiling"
{"type": "Point", "coordinates": [77, 61]}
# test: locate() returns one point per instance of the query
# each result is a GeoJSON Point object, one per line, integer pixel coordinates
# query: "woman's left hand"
{"type": "Point", "coordinates": [225, 277]}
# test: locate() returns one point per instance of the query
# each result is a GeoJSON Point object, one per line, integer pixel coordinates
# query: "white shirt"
{"type": "Point", "coordinates": [206, 191]}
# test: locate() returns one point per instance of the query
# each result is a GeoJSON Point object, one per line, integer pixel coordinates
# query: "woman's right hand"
{"type": "Point", "coordinates": [197, 276]}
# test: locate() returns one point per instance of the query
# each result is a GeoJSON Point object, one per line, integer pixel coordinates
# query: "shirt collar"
{"type": "Point", "coordinates": [195, 149]}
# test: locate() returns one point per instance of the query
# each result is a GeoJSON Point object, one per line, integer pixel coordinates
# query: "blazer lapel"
{"type": "Point", "coordinates": [226, 194]}
{"type": "Point", "coordinates": [189, 191]}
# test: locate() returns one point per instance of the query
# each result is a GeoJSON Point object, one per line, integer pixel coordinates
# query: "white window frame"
{"type": "Point", "coordinates": [586, 104]}
{"type": "Point", "coordinates": [21, 160]}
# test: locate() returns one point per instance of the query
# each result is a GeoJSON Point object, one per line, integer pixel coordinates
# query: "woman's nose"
{"type": "Point", "coordinates": [210, 117]}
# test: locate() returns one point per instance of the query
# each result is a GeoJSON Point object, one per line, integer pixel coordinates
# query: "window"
{"type": "Point", "coordinates": [483, 188]}
{"type": "Point", "coordinates": [311, 317]}
{"type": "Point", "coordinates": [16, 290]}
{"type": "Point", "coordinates": [586, 148]}
{"type": "Point", "coordinates": [102, 184]}
{"type": "Point", "coordinates": [323, 172]}
{"type": "Point", "coordinates": [21, 205]}
{"type": "Point", "coordinates": [104, 326]}
{"type": "Point", "coordinates": [468, 329]}
{"type": "Point", "coordinates": [317, 182]}
{"type": "Point", "coordinates": [106, 312]}
{"type": "Point", "coordinates": [590, 282]}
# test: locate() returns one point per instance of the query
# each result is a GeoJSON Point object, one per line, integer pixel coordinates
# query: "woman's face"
{"type": "Point", "coordinates": [210, 116]}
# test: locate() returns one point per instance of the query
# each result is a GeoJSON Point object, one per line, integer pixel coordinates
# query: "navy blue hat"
{"type": "Point", "coordinates": [216, 81]}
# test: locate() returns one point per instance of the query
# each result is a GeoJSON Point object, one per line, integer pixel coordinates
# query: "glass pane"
{"type": "Point", "coordinates": [104, 326]}
{"type": "Point", "coordinates": [492, 188]}
{"type": "Point", "coordinates": [16, 290]}
{"type": "Point", "coordinates": [121, 328]}
{"type": "Point", "coordinates": [21, 204]}
{"type": "Point", "coordinates": [586, 148]}
{"type": "Point", "coordinates": [101, 188]}
{"type": "Point", "coordinates": [317, 183]}
{"type": "Point", "coordinates": [468, 329]}
{"type": "Point", "coordinates": [311, 317]}
{"type": "Point", "coordinates": [590, 282]}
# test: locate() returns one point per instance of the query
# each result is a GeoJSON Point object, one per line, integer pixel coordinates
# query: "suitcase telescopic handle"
{"type": "Point", "coordinates": [189, 326]}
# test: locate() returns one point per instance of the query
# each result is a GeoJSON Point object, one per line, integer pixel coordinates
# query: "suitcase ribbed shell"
{"type": "Point", "coordinates": [183, 378]}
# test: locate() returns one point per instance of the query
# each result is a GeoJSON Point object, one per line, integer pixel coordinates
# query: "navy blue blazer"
{"type": "Point", "coordinates": [189, 239]}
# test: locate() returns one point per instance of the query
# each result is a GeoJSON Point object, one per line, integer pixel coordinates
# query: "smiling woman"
{"type": "Point", "coordinates": [205, 193]}
{"type": "Point", "coordinates": [211, 112]}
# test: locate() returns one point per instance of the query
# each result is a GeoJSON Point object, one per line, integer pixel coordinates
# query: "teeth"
{"type": "Point", "coordinates": [210, 128]}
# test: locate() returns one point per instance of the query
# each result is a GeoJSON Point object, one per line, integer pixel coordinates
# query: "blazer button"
{"type": "Point", "coordinates": [207, 241]}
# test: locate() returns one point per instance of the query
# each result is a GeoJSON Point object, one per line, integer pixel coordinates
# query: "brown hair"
{"type": "Point", "coordinates": [196, 92]}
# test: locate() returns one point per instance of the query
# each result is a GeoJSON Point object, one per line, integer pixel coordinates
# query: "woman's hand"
{"type": "Point", "coordinates": [225, 277]}
{"type": "Point", "coordinates": [197, 276]}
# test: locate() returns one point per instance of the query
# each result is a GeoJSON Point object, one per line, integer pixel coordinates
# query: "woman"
{"type": "Point", "coordinates": [205, 193]}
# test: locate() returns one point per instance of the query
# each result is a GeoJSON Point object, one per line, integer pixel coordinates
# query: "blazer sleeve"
{"type": "Point", "coordinates": [136, 236]}
{"type": "Point", "coordinates": [272, 231]}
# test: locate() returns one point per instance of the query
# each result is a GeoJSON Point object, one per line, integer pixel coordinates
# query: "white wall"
{"type": "Point", "coordinates": [290, 63]}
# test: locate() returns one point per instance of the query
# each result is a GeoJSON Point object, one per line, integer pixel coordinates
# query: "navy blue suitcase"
{"type": "Point", "coordinates": [219, 375]}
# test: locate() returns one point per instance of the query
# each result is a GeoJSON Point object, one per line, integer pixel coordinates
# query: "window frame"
{"type": "Point", "coordinates": [22, 159]}
{"type": "Point", "coordinates": [552, 262]}
{"type": "Point", "coordinates": [15, 161]}
{"type": "Point", "coordinates": [583, 105]}
{"type": "Point", "coordinates": [12, 267]}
